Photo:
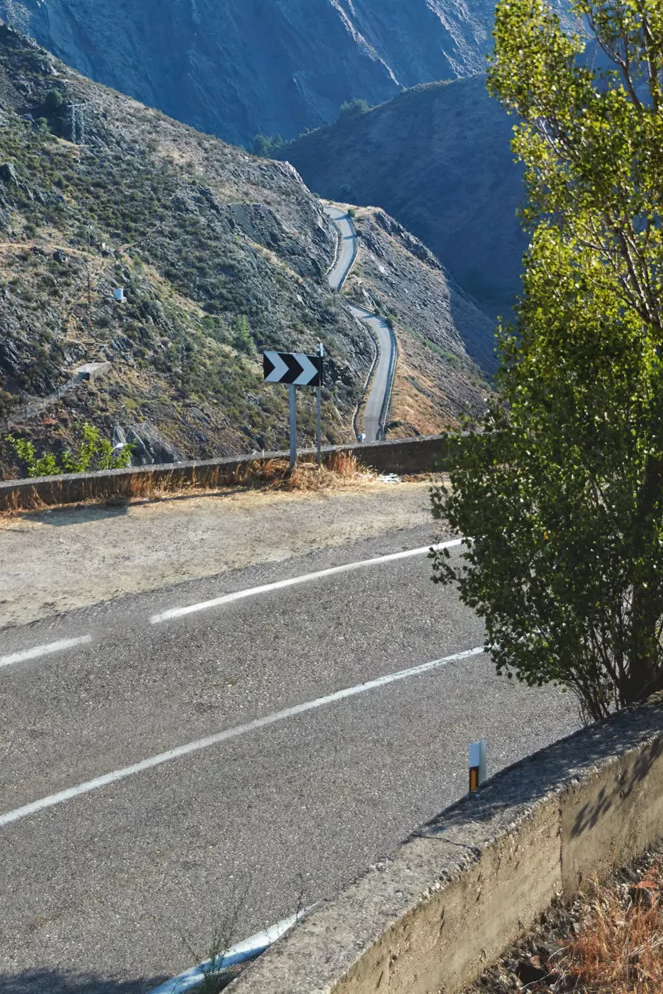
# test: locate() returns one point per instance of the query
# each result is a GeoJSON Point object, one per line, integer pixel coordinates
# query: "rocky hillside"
{"type": "Point", "coordinates": [438, 159]}
{"type": "Point", "coordinates": [239, 67]}
{"type": "Point", "coordinates": [219, 254]}
{"type": "Point", "coordinates": [436, 326]}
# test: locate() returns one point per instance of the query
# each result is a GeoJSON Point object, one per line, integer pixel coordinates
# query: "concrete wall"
{"type": "Point", "coordinates": [409, 455]}
{"type": "Point", "coordinates": [462, 888]}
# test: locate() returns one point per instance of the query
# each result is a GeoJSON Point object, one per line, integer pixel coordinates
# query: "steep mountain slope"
{"type": "Point", "coordinates": [239, 67]}
{"type": "Point", "coordinates": [438, 159]}
{"type": "Point", "coordinates": [218, 254]}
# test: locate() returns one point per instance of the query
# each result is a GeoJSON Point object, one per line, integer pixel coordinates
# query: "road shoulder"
{"type": "Point", "coordinates": [56, 561]}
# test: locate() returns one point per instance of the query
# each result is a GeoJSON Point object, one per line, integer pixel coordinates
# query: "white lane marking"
{"type": "Point", "coordinates": [229, 733]}
{"type": "Point", "coordinates": [43, 650]}
{"type": "Point", "coordinates": [238, 595]}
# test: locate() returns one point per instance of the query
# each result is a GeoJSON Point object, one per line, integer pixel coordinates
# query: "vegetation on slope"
{"type": "Point", "coordinates": [219, 254]}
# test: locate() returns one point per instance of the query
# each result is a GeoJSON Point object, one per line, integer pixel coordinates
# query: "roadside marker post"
{"type": "Point", "coordinates": [296, 369]}
{"type": "Point", "coordinates": [478, 755]}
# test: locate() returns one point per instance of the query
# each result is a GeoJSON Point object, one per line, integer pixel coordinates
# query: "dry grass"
{"type": "Point", "coordinates": [338, 470]}
{"type": "Point", "coordinates": [607, 940]}
{"type": "Point", "coordinates": [619, 948]}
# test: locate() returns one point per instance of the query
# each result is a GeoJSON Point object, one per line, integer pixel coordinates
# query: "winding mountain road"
{"type": "Point", "coordinates": [377, 403]}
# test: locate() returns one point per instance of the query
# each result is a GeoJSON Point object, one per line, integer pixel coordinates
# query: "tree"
{"type": "Point", "coordinates": [561, 496]}
{"type": "Point", "coordinates": [353, 108]}
{"type": "Point", "coordinates": [264, 145]}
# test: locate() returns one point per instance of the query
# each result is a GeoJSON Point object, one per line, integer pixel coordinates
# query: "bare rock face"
{"type": "Point", "coordinates": [237, 68]}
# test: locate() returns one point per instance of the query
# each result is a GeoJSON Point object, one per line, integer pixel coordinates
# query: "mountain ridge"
{"type": "Point", "coordinates": [236, 68]}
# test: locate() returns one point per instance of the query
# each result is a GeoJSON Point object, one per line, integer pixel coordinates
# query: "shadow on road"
{"type": "Point", "coordinates": [48, 981]}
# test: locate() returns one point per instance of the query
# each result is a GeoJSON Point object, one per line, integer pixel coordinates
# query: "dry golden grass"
{"type": "Point", "coordinates": [619, 948]}
{"type": "Point", "coordinates": [338, 470]}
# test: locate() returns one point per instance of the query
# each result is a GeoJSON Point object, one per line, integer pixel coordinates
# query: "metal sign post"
{"type": "Point", "coordinates": [293, 426]}
{"type": "Point", "coordinates": [295, 369]}
{"type": "Point", "coordinates": [321, 352]}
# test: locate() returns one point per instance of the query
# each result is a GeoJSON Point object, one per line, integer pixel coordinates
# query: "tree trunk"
{"type": "Point", "coordinates": [644, 663]}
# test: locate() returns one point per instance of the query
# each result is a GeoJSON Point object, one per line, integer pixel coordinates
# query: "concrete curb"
{"type": "Point", "coordinates": [449, 900]}
{"type": "Point", "coordinates": [409, 455]}
{"type": "Point", "coordinates": [242, 952]}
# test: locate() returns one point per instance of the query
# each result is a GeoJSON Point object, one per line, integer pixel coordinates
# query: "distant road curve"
{"type": "Point", "coordinates": [377, 404]}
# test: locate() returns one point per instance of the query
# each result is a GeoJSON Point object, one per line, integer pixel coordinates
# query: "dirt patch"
{"type": "Point", "coordinates": [56, 560]}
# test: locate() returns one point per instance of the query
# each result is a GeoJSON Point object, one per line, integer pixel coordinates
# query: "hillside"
{"type": "Point", "coordinates": [219, 254]}
{"type": "Point", "coordinates": [438, 159]}
{"type": "Point", "coordinates": [436, 326]}
{"type": "Point", "coordinates": [239, 67]}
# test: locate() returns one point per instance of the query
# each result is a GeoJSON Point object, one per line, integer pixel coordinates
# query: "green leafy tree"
{"type": "Point", "coordinates": [561, 497]}
{"type": "Point", "coordinates": [242, 339]}
{"type": "Point", "coordinates": [353, 108]}
{"type": "Point", "coordinates": [92, 453]}
{"type": "Point", "coordinates": [264, 145]}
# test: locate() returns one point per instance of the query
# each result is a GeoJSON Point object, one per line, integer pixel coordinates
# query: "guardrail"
{"type": "Point", "coordinates": [400, 456]}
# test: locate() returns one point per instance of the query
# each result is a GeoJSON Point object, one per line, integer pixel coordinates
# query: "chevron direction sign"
{"type": "Point", "coordinates": [296, 368]}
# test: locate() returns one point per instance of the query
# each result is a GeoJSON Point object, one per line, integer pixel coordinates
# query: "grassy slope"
{"type": "Point", "coordinates": [219, 254]}
{"type": "Point", "coordinates": [437, 158]}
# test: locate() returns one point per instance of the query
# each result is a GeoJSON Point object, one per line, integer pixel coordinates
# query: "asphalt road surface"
{"type": "Point", "coordinates": [267, 800]}
{"type": "Point", "coordinates": [347, 247]}
{"type": "Point", "coordinates": [379, 327]}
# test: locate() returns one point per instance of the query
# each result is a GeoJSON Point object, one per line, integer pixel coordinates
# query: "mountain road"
{"type": "Point", "coordinates": [380, 385]}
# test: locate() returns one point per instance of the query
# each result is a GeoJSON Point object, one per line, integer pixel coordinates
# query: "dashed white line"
{"type": "Point", "coordinates": [43, 650]}
{"type": "Point", "coordinates": [238, 595]}
{"type": "Point", "coordinates": [229, 733]}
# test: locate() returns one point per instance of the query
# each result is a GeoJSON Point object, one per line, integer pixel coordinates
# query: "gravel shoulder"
{"type": "Point", "coordinates": [59, 560]}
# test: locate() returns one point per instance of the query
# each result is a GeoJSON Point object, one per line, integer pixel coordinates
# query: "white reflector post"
{"type": "Point", "coordinates": [478, 752]}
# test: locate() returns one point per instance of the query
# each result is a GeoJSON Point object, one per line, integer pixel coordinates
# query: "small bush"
{"type": "Point", "coordinates": [353, 108]}
{"type": "Point", "coordinates": [93, 452]}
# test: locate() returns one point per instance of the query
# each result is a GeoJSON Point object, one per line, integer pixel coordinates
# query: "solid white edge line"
{"type": "Point", "coordinates": [229, 733]}
{"type": "Point", "coordinates": [238, 595]}
{"type": "Point", "coordinates": [246, 950]}
{"type": "Point", "coordinates": [43, 650]}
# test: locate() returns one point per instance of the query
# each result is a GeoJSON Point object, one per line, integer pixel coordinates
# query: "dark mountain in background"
{"type": "Point", "coordinates": [237, 68]}
{"type": "Point", "coordinates": [438, 159]}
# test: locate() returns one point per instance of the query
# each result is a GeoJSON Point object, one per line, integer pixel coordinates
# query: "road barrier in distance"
{"type": "Point", "coordinates": [401, 456]}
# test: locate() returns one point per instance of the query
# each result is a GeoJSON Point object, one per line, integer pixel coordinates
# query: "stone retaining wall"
{"type": "Point", "coordinates": [409, 455]}
{"type": "Point", "coordinates": [432, 916]}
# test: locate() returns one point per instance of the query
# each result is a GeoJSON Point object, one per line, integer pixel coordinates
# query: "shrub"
{"type": "Point", "coordinates": [353, 108]}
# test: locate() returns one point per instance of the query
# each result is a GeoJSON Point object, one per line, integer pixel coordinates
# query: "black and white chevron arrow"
{"type": "Point", "coordinates": [293, 367]}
